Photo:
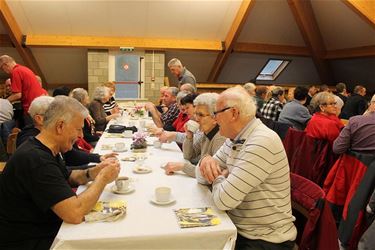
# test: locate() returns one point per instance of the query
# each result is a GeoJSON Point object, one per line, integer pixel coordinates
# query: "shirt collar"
{"type": "Point", "coordinates": [213, 132]}
{"type": "Point", "coordinates": [238, 139]}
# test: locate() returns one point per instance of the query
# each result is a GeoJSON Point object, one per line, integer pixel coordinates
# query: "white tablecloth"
{"type": "Point", "coordinates": [148, 226]}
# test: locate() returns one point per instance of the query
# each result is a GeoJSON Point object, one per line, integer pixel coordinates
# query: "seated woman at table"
{"type": "Point", "coordinates": [101, 96]}
{"type": "Point", "coordinates": [75, 156]}
{"type": "Point", "coordinates": [187, 105]}
{"type": "Point", "coordinates": [208, 143]}
{"type": "Point", "coordinates": [89, 133]}
{"type": "Point", "coordinates": [324, 124]}
{"type": "Point", "coordinates": [111, 107]}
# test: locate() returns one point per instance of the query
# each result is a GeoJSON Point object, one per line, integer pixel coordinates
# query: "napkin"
{"type": "Point", "coordinates": [107, 211]}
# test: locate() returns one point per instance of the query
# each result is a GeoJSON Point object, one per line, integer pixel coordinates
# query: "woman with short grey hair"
{"type": "Point", "coordinates": [205, 142]}
{"type": "Point", "coordinates": [324, 124]}
{"type": "Point", "coordinates": [89, 133]}
{"type": "Point", "coordinates": [101, 95]}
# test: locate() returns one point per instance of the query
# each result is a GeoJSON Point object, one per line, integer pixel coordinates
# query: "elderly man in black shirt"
{"type": "Point", "coordinates": [36, 188]}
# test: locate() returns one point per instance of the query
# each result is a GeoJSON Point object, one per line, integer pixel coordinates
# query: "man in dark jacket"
{"type": "Point", "coordinates": [355, 104]}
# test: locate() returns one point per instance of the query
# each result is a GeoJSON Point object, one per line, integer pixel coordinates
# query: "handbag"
{"type": "Point", "coordinates": [116, 129]}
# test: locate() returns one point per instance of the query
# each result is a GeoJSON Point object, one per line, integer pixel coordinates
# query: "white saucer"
{"type": "Point", "coordinates": [153, 200]}
{"type": "Point", "coordinates": [136, 170]}
{"type": "Point", "coordinates": [129, 190]}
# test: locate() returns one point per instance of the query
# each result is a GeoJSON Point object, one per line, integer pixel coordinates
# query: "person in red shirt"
{"type": "Point", "coordinates": [24, 84]}
{"type": "Point", "coordinates": [324, 124]}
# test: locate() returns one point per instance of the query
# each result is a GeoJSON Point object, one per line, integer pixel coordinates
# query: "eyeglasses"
{"type": "Point", "coordinates": [221, 111]}
{"type": "Point", "coordinates": [200, 115]}
{"type": "Point", "coordinates": [331, 103]}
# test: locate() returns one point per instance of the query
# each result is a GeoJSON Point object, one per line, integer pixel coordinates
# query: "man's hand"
{"type": "Point", "coordinates": [149, 106]}
{"type": "Point", "coordinates": [110, 170]}
{"type": "Point", "coordinates": [209, 168]}
{"type": "Point", "coordinates": [107, 156]}
{"type": "Point", "coordinates": [172, 167]}
{"type": "Point", "coordinates": [156, 131]}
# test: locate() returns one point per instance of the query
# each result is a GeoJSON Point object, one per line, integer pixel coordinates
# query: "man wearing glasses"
{"type": "Point", "coordinates": [250, 175]}
{"type": "Point", "coordinates": [24, 84]}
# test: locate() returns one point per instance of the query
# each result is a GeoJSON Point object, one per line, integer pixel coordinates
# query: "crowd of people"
{"type": "Point", "coordinates": [223, 138]}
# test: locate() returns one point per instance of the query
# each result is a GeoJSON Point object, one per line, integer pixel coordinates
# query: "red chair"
{"type": "Point", "coordinates": [309, 157]}
{"type": "Point", "coordinates": [318, 229]}
{"type": "Point", "coordinates": [349, 186]}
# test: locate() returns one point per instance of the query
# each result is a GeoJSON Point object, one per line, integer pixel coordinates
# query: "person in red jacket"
{"type": "Point", "coordinates": [324, 124]}
{"type": "Point", "coordinates": [24, 84]}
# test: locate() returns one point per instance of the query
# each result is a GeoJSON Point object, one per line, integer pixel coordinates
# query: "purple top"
{"type": "Point", "coordinates": [358, 135]}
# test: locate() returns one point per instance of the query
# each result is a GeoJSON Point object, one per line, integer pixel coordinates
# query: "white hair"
{"type": "Point", "coordinates": [174, 62]}
{"type": "Point", "coordinates": [63, 108]}
{"type": "Point", "coordinates": [373, 98]}
{"type": "Point", "coordinates": [100, 93]}
{"type": "Point", "coordinates": [207, 99]}
{"type": "Point", "coordinates": [250, 87]}
{"type": "Point", "coordinates": [79, 94]}
{"type": "Point", "coordinates": [40, 105]}
{"type": "Point", "coordinates": [173, 91]}
{"type": "Point", "coordinates": [339, 102]}
{"type": "Point", "coordinates": [181, 95]}
{"type": "Point", "coordinates": [188, 87]}
{"type": "Point", "coordinates": [239, 98]}
{"type": "Point", "coordinates": [320, 99]}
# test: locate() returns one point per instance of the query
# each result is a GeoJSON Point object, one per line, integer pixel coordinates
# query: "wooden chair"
{"type": "Point", "coordinates": [11, 142]}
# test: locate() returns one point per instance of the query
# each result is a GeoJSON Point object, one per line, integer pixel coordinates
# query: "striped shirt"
{"type": "Point", "coordinates": [256, 192]}
{"type": "Point", "coordinates": [108, 106]}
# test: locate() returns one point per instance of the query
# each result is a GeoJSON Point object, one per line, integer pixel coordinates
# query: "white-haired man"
{"type": "Point", "coordinates": [35, 186]}
{"type": "Point", "coordinates": [183, 75]}
{"type": "Point", "coordinates": [250, 175]}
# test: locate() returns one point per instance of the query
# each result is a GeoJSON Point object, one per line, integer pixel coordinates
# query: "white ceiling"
{"type": "Point", "coordinates": [340, 26]}
{"type": "Point", "coordinates": [272, 22]}
{"type": "Point", "coordinates": [208, 20]}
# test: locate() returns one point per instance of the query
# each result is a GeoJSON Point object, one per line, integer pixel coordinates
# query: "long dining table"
{"type": "Point", "coordinates": [147, 225]}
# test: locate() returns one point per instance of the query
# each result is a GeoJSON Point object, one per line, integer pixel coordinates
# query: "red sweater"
{"type": "Point", "coordinates": [179, 123]}
{"type": "Point", "coordinates": [326, 127]}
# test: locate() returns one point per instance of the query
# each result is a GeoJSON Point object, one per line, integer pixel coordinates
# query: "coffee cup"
{"type": "Point", "coordinates": [120, 146]}
{"type": "Point", "coordinates": [128, 133]}
{"type": "Point", "coordinates": [122, 183]}
{"type": "Point", "coordinates": [163, 194]}
{"type": "Point", "coordinates": [157, 144]}
{"type": "Point", "coordinates": [192, 126]}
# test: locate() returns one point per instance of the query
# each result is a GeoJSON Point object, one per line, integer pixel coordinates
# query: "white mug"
{"type": "Point", "coordinates": [120, 146]}
{"type": "Point", "coordinates": [192, 126]}
{"type": "Point", "coordinates": [122, 183]}
{"type": "Point", "coordinates": [157, 144]}
{"type": "Point", "coordinates": [128, 133]}
{"type": "Point", "coordinates": [163, 194]}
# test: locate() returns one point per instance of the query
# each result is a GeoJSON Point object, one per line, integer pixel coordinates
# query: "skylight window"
{"type": "Point", "coordinates": [272, 69]}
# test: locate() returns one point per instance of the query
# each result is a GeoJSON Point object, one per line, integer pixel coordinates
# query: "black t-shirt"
{"type": "Point", "coordinates": [32, 182]}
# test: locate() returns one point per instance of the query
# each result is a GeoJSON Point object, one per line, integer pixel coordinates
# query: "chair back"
{"type": "Point", "coordinates": [314, 221]}
{"type": "Point", "coordinates": [309, 157]}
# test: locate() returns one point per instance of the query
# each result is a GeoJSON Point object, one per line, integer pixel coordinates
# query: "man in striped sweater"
{"type": "Point", "coordinates": [250, 176]}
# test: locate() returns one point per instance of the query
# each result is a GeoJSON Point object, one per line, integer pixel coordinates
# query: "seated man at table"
{"type": "Point", "coordinates": [250, 175]}
{"type": "Point", "coordinates": [76, 156]}
{"type": "Point", "coordinates": [165, 120]}
{"type": "Point", "coordinates": [36, 188]}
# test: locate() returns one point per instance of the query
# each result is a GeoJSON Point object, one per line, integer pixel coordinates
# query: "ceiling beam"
{"type": "Point", "coordinates": [231, 38]}
{"type": "Point", "coordinates": [16, 36]}
{"type": "Point", "coordinates": [308, 26]}
{"type": "Point", "coordinates": [116, 42]}
{"type": "Point", "coordinates": [365, 51]}
{"type": "Point", "coordinates": [364, 8]}
{"type": "Point", "coordinates": [271, 49]}
{"type": "Point", "coordinates": [5, 41]}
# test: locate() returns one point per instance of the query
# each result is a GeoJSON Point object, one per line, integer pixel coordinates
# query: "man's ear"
{"type": "Point", "coordinates": [60, 127]}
